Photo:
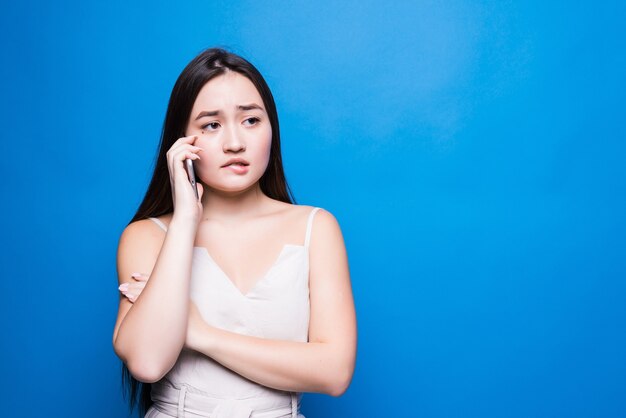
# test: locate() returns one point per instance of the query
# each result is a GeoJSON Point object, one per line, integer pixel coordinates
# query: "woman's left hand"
{"type": "Point", "coordinates": [133, 289]}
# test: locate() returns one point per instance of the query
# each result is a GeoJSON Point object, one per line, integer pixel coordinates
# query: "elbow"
{"type": "Point", "coordinates": [339, 383]}
{"type": "Point", "coordinates": [145, 372]}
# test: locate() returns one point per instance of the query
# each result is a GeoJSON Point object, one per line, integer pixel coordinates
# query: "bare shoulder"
{"type": "Point", "coordinates": [138, 248]}
{"type": "Point", "coordinates": [325, 229]}
{"type": "Point", "coordinates": [295, 217]}
{"type": "Point", "coordinates": [325, 224]}
{"type": "Point", "coordinates": [300, 209]}
{"type": "Point", "coordinates": [144, 232]}
{"type": "Point", "coordinates": [322, 219]}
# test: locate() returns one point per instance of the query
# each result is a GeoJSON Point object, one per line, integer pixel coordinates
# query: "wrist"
{"type": "Point", "coordinates": [183, 223]}
{"type": "Point", "coordinates": [206, 340]}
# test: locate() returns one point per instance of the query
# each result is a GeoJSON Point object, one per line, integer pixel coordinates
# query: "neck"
{"type": "Point", "coordinates": [232, 207]}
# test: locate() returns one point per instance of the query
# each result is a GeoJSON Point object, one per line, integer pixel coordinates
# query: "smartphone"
{"type": "Point", "coordinates": [192, 175]}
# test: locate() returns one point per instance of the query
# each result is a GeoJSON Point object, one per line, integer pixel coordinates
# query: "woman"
{"type": "Point", "coordinates": [234, 303]}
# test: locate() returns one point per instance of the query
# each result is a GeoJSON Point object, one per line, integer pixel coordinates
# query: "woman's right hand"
{"type": "Point", "coordinates": [186, 206]}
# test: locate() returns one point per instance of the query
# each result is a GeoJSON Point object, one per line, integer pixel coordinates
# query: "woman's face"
{"type": "Point", "coordinates": [231, 122]}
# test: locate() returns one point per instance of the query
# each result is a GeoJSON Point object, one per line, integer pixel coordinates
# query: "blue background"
{"type": "Point", "coordinates": [472, 151]}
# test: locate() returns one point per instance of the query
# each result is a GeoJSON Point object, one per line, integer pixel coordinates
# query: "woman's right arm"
{"type": "Point", "coordinates": [150, 333]}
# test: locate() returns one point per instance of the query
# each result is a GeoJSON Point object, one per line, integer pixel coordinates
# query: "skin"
{"type": "Point", "coordinates": [233, 206]}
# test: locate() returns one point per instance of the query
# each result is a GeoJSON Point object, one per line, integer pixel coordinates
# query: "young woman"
{"type": "Point", "coordinates": [234, 303]}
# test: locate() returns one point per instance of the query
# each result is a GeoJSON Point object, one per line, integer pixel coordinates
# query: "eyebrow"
{"type": "Point", "coordinates": [240, 108]}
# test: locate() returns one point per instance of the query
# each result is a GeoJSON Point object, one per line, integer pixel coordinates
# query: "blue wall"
{"type": "Point", "coordinates": [477, 155]}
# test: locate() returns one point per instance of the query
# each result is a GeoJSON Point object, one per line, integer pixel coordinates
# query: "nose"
{"type": "Point", "coordinates": [233, 141]}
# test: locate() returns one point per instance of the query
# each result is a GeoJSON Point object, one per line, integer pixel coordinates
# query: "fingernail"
{"type": "Point", "coordinates": [134, 275]}
{"type": "Point", "coordinates": [123, 287]}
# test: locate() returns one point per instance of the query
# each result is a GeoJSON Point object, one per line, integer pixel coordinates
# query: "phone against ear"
{"type": "Point", "coordinates": [192, 175]}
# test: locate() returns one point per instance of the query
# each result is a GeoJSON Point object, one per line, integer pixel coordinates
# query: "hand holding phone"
{"type": "Point", "coordinates": [192, 175]}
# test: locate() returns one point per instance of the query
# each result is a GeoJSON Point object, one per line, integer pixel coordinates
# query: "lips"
{"type": "Point", "coordinates": [236, 162]}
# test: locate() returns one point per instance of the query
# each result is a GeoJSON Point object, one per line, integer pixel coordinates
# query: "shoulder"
{"type": "Point", "coordinates": [321, 216]}
{"type": "Point", "coordinates": [138, 248]}
{"type": "Point", "coordinates": [323, 222]}
{"type": "Point", "coordinates": [142, 233]}
{"type": "Point", "coordinates": [324, 226]}
{"type": "Point", "coordinates": [289, 212]}
{"type": "Point", "coordinates": [305, 209]}
{"type": "Point", "coordinates": [145, 227]}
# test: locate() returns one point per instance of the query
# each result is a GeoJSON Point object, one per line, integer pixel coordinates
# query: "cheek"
{"type": "Point", "coordinates": [206, 166]}
{"type": "Point", "coordinates": [268, 141]}
{"type": "Point", "coordinates": [263, 151]}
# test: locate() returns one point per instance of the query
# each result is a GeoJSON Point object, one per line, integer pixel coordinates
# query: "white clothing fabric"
{"type": "Point", "coordinates": [276, 307]}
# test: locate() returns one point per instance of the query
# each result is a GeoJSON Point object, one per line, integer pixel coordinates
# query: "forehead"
{"type": "Point", "coordinates": [227, 90]}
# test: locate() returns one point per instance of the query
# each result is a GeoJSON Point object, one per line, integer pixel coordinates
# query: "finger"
{"type": "Point", "coordinates": [182, 141]}
{"type": "Point", "coordinates": [136, 288]}
{"type": "Point", "coordinates": [186, 148]}
{"type": "Point", "coordinates": [187, 152]}
{"type": "Point", "coordinates": [141, 278]}
{"type": "Point", "coordinates": [178, 162]}
{"type": "Point", "coordinates": [190, 139]}
{"type": "Point", "coordinates": [181, 174]}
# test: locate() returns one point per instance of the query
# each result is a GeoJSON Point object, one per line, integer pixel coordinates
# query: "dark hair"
{"type": "Point", "coordinates": [157, 201]}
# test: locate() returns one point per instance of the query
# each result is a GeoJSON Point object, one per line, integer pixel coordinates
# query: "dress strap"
{"type": "Point", "coordinates": [158, 222]}
{"type": "Point", "coordinates": [308, 227]}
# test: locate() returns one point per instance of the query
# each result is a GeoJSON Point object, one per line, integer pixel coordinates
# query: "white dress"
{"type": "Point", "coordinates": [277, 307]}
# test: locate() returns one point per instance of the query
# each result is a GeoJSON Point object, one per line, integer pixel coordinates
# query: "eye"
{"type": "Point", "coordinates": [211, 126]}
{"type": "Point", "coordinates": [254, 120]}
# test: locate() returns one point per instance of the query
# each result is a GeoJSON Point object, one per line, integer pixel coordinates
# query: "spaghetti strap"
{"type": "Point", "coordinates": [308, 228]}
{"type": "Point", "coordinates": [158, 222]}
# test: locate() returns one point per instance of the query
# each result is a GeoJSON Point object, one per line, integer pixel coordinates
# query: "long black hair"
{"type": "Point", "coordinates": [157, 201]}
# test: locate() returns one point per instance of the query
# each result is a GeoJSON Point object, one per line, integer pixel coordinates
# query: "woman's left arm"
{"type": "Point", "coordinates": [326, 363]}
